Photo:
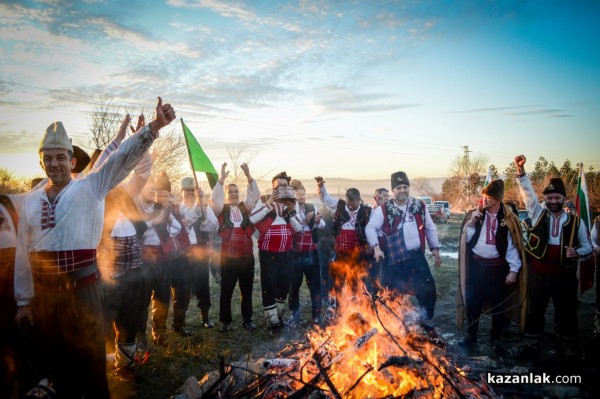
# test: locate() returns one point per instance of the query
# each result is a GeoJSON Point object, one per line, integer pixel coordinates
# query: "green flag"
{"type": "Point", "coordinates": [198, 159]}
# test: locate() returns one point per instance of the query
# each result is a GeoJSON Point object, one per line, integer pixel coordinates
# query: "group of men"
{"type": "Point", "coordinates": [84, 257]}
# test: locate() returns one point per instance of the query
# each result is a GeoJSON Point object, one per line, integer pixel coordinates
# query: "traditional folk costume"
{"type": "Point", "coordinates": [351, 245]}
{"type": "Point", "coordinates": [200, 222]}
{"type": "Point", "coordinates": [489, 250]}
{"type": "Point", "coordinates": [56, 253]}
{"type": "Point", "coordinates": [551, 274]}
{"type": "Point", "coordinates": [276, 225]}
{"type": "Point", "coordinates": [305, 260]}
{"type": "Point", "coordinates": [595, 235]}
{"type": "Point", "coordinates": [163, 246]}
{"type": "Point", "coordinates": [120, 261]}
{"type": "Point", "coordinates": [405, 229]}
{"type": "Point", "coordinates": [237, 254]}
{"type": "Point", "coordinates": [12, 357]}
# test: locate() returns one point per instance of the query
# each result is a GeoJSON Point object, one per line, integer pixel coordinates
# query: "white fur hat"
{"type": "Point", "coordinates": [56, 137]}
{"type": "Point", "coordinates": [187, 182]}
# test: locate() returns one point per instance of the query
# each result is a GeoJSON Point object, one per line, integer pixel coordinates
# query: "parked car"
{"type": "Point", "coordinates": [426, 199]}
{"type": "Point", "coordinates": [437, 213]}
{"type": "Point", "coordinates": [445, 205]}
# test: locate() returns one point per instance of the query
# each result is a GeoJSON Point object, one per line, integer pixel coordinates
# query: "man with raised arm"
{"type": "Point", "coordinates": [56, 275]}
{"type": "Point", "coordinates": [555, 242]}
{"type": "Point", "coordinates": [237, 256]}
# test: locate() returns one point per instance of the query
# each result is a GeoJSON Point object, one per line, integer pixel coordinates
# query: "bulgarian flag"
{"type": "Point", "coordinates": [582, 200]}
{"type": "Point", "coordinates": [199, 162]}
{"type": "Point", "coordinates": [582, 208]}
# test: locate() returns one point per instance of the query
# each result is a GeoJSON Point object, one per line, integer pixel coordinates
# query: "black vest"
{"type": "Point", "coordinates": [538, 235]}
{"type": "Point", "coordinates": [341, 216]}
{"type": "Point", "coordinates": [501, 233]}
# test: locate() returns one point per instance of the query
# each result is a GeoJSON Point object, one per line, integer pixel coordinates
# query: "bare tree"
{"type": "Point", "coordinates": [237, 156]}
{"type": "Point", "coordinates": [422, 185]}
{"type": "Point", "coordinates": [467, 172]}
{"type": "Point", "coordinates": [172, 156]}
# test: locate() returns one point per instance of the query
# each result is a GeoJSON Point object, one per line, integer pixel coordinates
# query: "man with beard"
{"type": "Point", "coordinates": [59, 231]}
{"type": "Point", "coordinates": [276, 223]}
{"type": "Point", "coordinates": [352, 252]}
{"type": "Point", "coordinates": [200, 221]}
{"type": "Point", "coordinates": [555, 242]}
{"type": "Point", "coordinates": [237, 256]}
{"type": "Point", "coordinates": [406, 225]}
{"type": "Point", "coordinates": [490, 260]}
{"type": "Point", "coordinates": [305, 260]}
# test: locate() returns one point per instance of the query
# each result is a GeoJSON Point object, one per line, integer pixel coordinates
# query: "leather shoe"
{"type": "Point", "coordinates": [224, 327]}
{"type": "Point", "coordinates": [248, 325]}
{"type": "Point", "coordinates": [182, 332]}
{"type": "Point", "coordinates": [207, 324]}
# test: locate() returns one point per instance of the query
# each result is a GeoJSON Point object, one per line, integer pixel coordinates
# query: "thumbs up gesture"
{"type": "Point", "coordinates": [165, 114]}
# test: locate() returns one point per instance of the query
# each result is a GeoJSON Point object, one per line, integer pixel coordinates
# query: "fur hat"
{"type": "Point", "coordinates": [281, 175]}
{"type": "Point", "coordinates": [83, 159]}
{"type": "Point", "coordinates": [399, 178]}
{"type": "Point", "coordinates": [163, 182]}
{"type": "Point", "coordinates": [494, 189]}
{"type": "Point", "coordinates": [297, 185]}
{"type": "Point", "coordinates": [556, 185]}
{"type": "Point", "coordinates": [187, 182]}
{"type": "Point", "coordinates": [55, 137]}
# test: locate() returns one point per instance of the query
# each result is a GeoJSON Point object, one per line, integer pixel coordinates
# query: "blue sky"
{"type": "Point", "coordinates": [354, 89]}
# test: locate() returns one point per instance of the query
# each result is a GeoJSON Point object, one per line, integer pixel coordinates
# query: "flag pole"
{"type": "Point", "coordinates": [577, 197]}
{"type": "Point", "coordinates": [187, 146]}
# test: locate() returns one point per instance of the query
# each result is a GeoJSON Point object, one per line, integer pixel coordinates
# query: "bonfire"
{"type": "Point", "coordinates": [374, 346]}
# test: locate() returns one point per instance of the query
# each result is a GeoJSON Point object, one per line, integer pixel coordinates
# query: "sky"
{"type": "Point", "coordinates": [350, 89]}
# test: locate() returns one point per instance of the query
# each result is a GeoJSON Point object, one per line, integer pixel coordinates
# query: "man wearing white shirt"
{"type": "Point", "coordinates": [59, 230]}
{"type": "Point", "coordinates": [276, 223]}
{"type": "Point", "coordinates": [555, 242]}
{"type": "Point", "coordinates": [237, 254]}
{"type": "Point", "coordinates": [305, 260]}
{"type": "Point", "coordinates": [492, 240]}
{"type": "Point", "coordinates": [406, 226]}
{"type": "Point", "coordinates": [200, 221]}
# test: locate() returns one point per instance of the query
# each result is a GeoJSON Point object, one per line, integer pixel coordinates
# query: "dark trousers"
{"type": "Point", "coordinates": [158, 294]}
{"type": "Point", "coordinates": [562, 289]}
{"type": "Point", "coordinates": [198, 258]}
{"type": "Point", "coordinates": [274, 277]}
{"type": "Point", "coordinates": [180, 271]}
{"type": "Point", "coordinates": [234, 270]}
{"type": "Point", "coordinates": [305, 264]}
{"type": "Point", "coordinates": [71, 343]}
{"type": "Point", "coordinates": [124, 305]}
{"type": "Point", "coordinates": [326, 249]}
{"type": "Point", "coordinates": [486, 285]}
{"type": "Point", "coordinates": [413, 277]}
{"type": "Point", "coordinates": [16, 363]}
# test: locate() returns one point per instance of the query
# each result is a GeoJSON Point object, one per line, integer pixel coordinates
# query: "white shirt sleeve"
{"type": "Point", "coordinates": [24, 290]}
{"type": "Point", "coordinates": [252, 195]}
{"type": "Point", "coordinates": [259, 212]}
{"type": "Point", "coordinates": [585, 246]}
{"type": "Point", "coordinates": [330, 202]}
{"type": "Point", "coordinates": [595, 242]}
{"type": "Point", "coordinates": [529, 198]}
{"type": "Point", "coordinates": [512, 256]}
{"type": "Point", "coordinates": [120, 163]}
{"type": "Point", "coordinates": [374, 226]}
{"type": "Point", "coordinates": [217, 198]}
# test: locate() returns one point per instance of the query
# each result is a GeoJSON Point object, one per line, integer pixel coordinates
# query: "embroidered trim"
{"type": "Point", "coordinates": [48, 214]}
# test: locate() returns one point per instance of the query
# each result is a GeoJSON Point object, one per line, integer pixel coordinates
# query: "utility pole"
{"type": "Point", "coordinates": [467, 166]}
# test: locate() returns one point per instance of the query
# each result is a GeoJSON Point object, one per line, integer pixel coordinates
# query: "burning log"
{"type": "Point", "coordinates": [281, 364]}
{"type": "Point", "coordinates": [359, 343]}
{"type": "Point", "coordinates": [398, 361]}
